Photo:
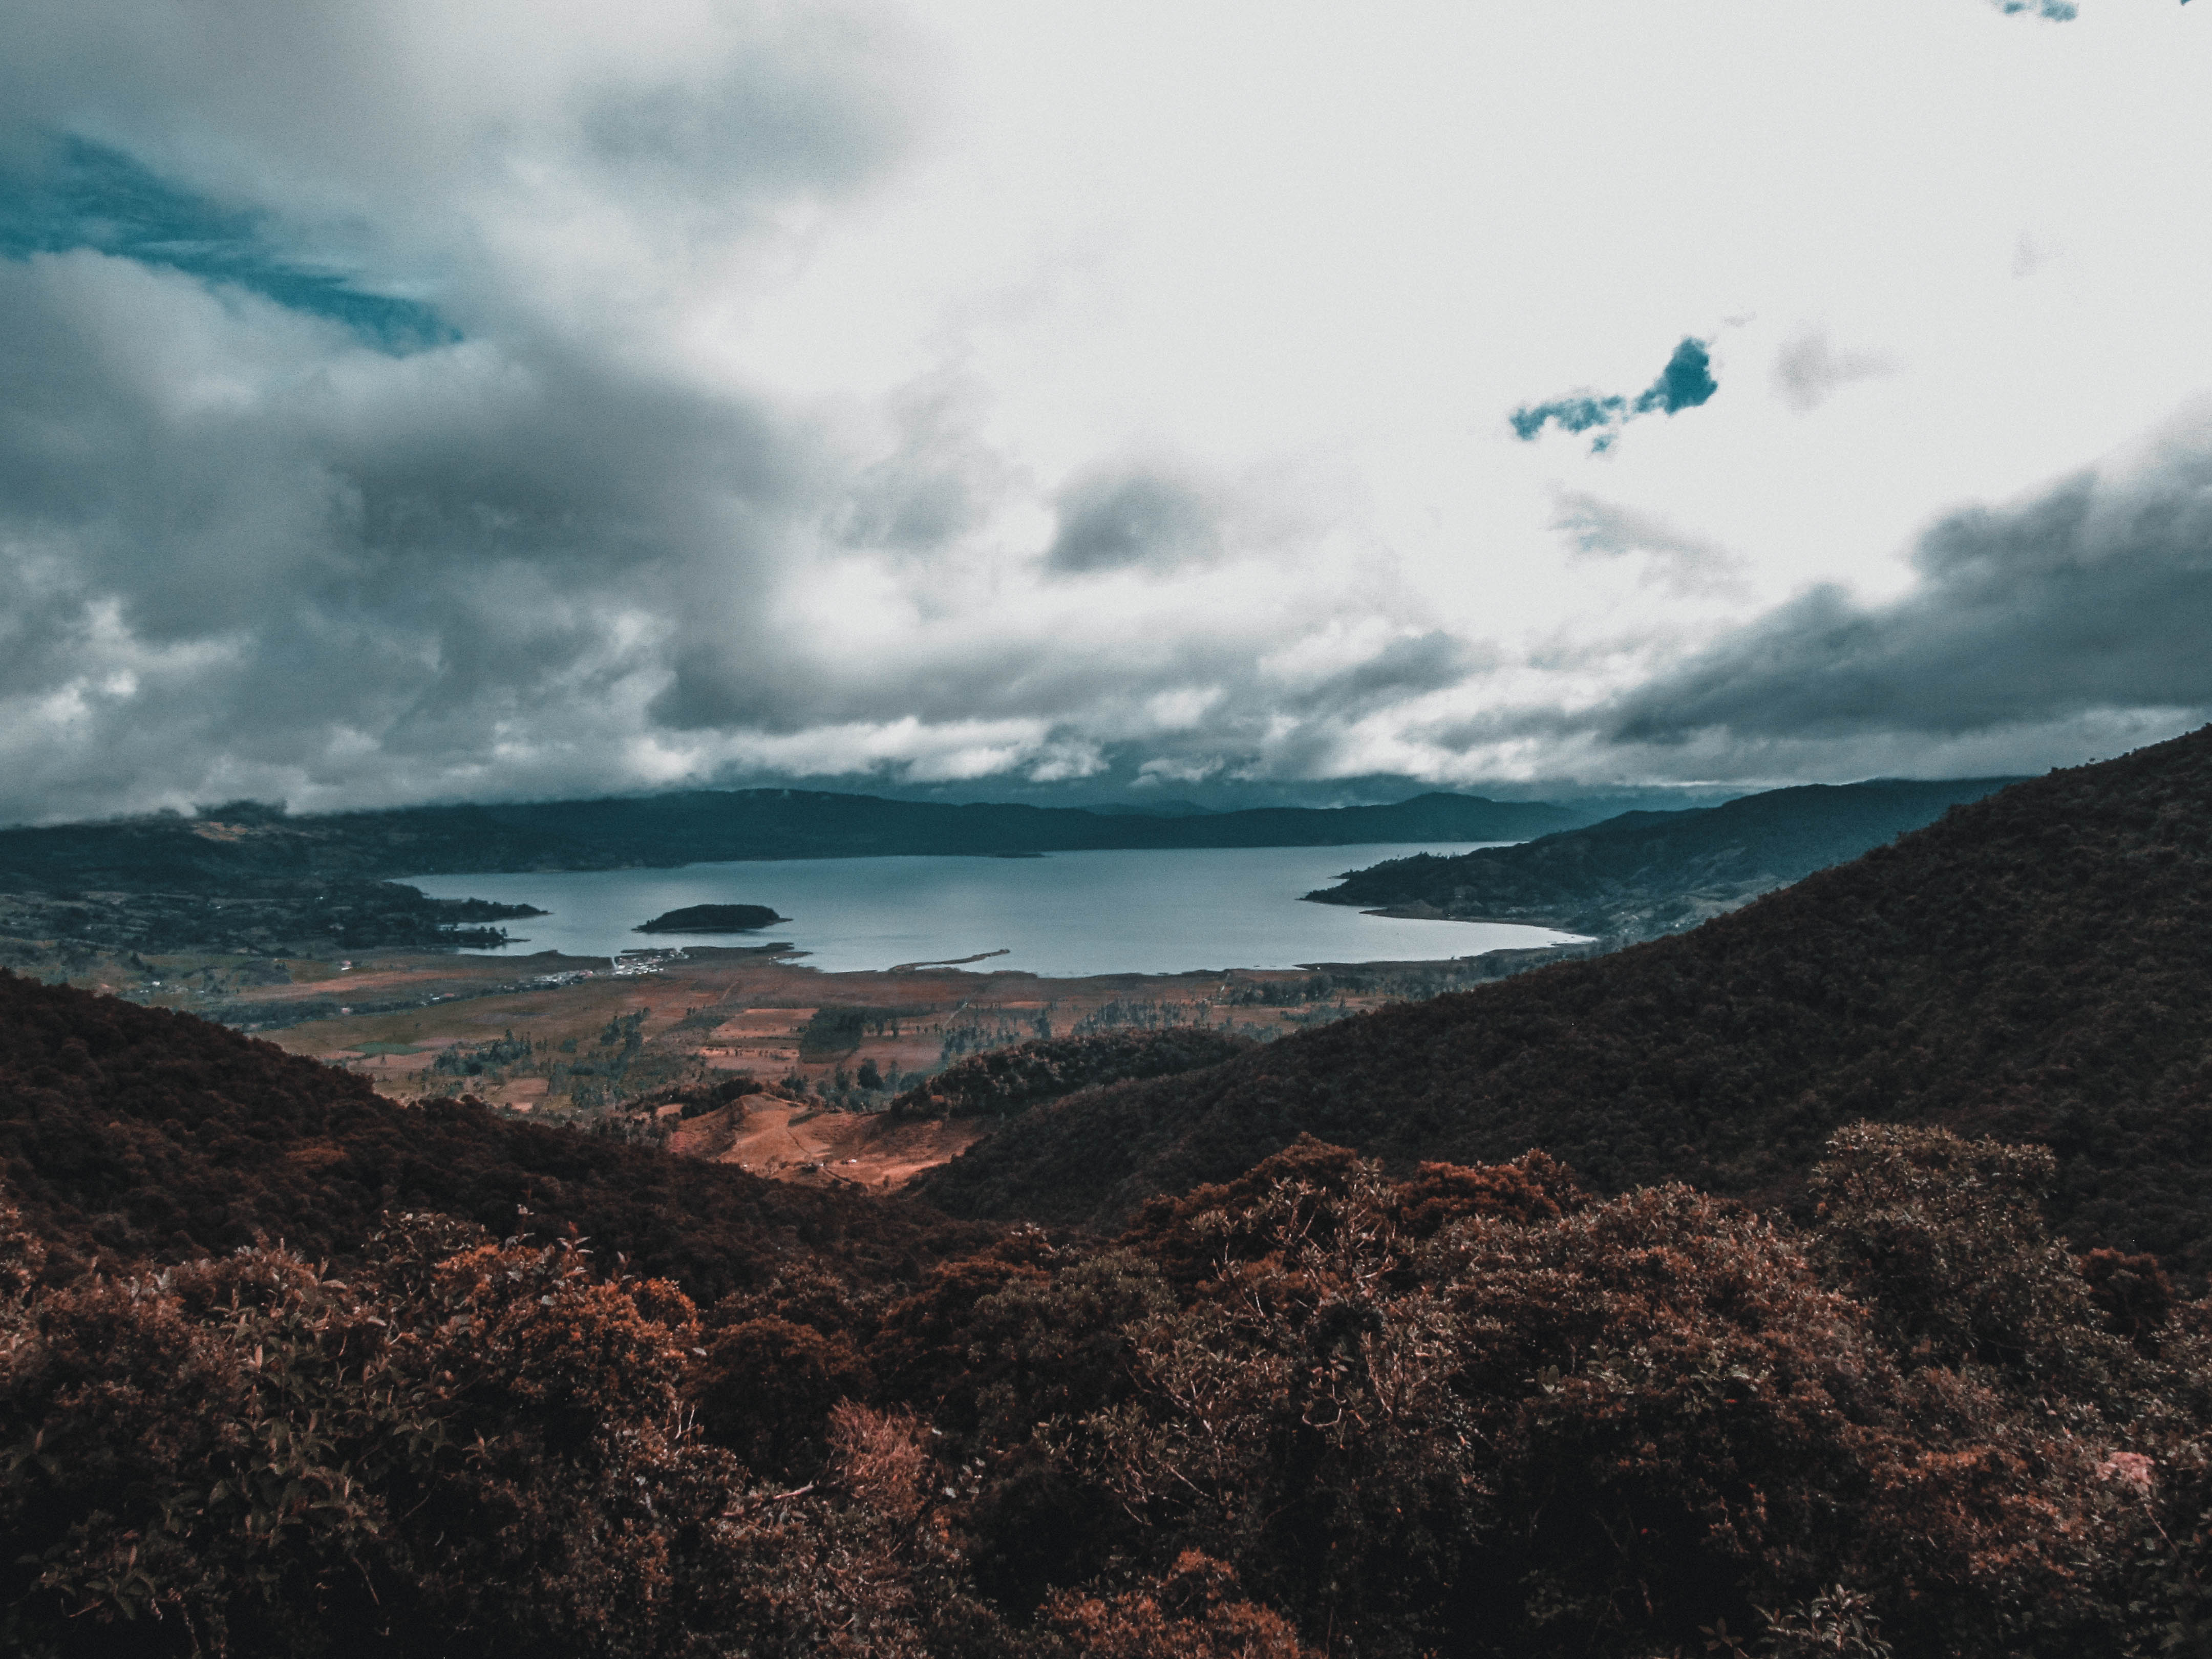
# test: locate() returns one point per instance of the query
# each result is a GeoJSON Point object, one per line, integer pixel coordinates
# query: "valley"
{"type": "Point", "coordinates": [568, 1040]}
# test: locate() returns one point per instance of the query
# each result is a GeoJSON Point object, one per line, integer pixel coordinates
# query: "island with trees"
{"type": "Point", "coordinates": [713, 919]}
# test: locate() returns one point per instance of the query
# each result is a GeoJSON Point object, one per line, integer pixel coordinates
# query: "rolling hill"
{"type": "Point", "coordinates": [129, 1134]}
{"type": "Point", "coordinates": [1642, 874]}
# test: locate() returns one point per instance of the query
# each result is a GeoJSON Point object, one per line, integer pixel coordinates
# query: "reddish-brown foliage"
{"type": "Point", "coordinates": [1473, 1412]}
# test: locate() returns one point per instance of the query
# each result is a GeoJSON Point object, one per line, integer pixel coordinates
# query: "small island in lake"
{"type": "Point", "coordinates": [713, 919]}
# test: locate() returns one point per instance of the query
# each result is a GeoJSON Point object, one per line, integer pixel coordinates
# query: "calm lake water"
{"type": "Point", "coordinates": [1064, 914]}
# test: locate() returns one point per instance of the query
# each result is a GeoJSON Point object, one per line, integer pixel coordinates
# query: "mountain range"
{"type": "Point", "coordinates": [246, 839]}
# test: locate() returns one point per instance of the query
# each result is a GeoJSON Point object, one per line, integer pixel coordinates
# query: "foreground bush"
{"type": "Point", "coordinates": [1317, 1411]}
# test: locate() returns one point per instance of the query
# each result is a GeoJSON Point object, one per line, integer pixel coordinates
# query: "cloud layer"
{"type": "Point", "coordinates": [404, 401]}
{"type": "Point", "coordinates": [267, 527]}
{"type": "Point", "coordinates": [2093, 598]}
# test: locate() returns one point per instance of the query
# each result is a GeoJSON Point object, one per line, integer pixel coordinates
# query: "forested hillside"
{"type": "Point", "coordinates": [1315, 1414]}
{"type": "Point", "coordinates": [129, 1134]}
{"type": "Point", "coordinates": [2036, 965]}
{"type": "Point", "coordinates": [1642, 874]}
{"type": "Point", "coordinates": [1002, 1081]}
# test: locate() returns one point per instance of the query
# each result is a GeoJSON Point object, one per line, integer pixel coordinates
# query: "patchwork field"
{"type": "Point", "coordinates": [567, 1040]}
{"type": "Point", "coordinates": [573, 1040]}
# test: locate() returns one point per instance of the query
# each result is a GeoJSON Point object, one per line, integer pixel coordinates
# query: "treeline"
{"type": "Point", "coordinates": [1007, 1080]}
{"type": "Point", "coordinates": [2033, 966]}
{"type": "Point", "coordinates": [1316, 1412]}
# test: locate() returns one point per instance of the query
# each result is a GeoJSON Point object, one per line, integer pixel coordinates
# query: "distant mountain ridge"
{"type": "Point", "coordinates": [247, 877]}
{"type": "Point", "coordinates": [2034, 966]}
{"type": "Point", "coordinates": [1642, 874]}
{"type": "Point", "coordinates": [696, 826]}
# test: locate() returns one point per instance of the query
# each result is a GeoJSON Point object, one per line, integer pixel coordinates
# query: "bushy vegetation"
{"type": "Point", "coordinates": [1314, 1411]}
{"type": "Point", "coordinates": [2032, 966]}
{"type": "Point", "coordinates": [1007, 1080]}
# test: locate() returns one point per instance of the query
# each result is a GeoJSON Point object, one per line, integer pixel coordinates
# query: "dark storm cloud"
{"type": "Point", "coordinates": [266, 529]}
{"type": "Point", "coordinates": [712, 687]}
{"type": "Point", "coordinates": [343, 553]}
{"type": "Point", "coordinates": [1408, 668]}
{"type": "Point", "coordinates": [243, 553]}
{"type": "Point", "coordinates": [269, 527]}
{"type": "Point", "coordinates": [1686, 382]}
{"type": "Point", "coordinates": [2095, 597]}
{"type": "Point", "coordinates": [1115, 520]}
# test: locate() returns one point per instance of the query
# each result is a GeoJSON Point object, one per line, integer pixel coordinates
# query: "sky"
{"type": "Point", "coordinates": [405, 402]}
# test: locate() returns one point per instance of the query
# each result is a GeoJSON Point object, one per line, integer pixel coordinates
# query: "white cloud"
{"type": "Point", "coordinates": [981, 387]}
{"type": "Point", "coordinates": [1808, 369]}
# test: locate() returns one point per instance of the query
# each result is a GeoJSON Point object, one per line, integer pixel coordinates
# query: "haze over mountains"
{"type": "Point", "coordinates": [2026, 965]}
{"type": "Point", "coordinates": [248, 877]}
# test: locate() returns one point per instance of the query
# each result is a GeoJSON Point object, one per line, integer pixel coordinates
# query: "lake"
{"type": "Point", "coordinates": [1064, 914]}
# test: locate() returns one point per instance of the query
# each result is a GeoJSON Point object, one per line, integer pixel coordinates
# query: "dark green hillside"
{"type": "Point", "coordinates": [2038, 965]}
{"type": "Point", "coordinates": [129, 1131]}
{"type": "Point", "coordinates": [1644, 874]}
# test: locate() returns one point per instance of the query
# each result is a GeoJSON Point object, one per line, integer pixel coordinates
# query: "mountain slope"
{"type": "Point", "coordinates": [2036, 965]}
{"type": "Point", "coordinates": [1642, 874]}
{"type": "Point", "coordinates": [129, 1131]}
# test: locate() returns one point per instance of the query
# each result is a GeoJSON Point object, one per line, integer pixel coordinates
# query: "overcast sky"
{"type": "Point", "coordinates": [406, 401]}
